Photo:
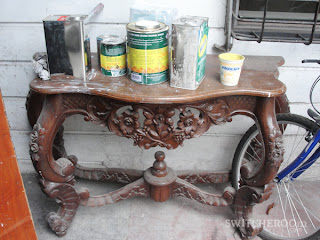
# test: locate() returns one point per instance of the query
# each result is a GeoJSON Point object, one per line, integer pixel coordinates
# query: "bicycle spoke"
{"type": "Point", "coordinates": [254, 150]}
{"type": "Point", "coordinates": [258, 141]}
{"type": "Point", "coordinates": [309, 180]}
{"type": "Point", "coordinates": [298, 144]}
{"type": "Point", "coordinates": [252, 157]}
{"type": "Point", "coordinates": [292, 213]}
{"type": "Point", "coordinates": [275, 210]}
{"type": "Point", "coordinates": [310, 211]}
{"type": "Point", "coordinates": [284, 213]}
{"type": "Point", "coordinates": [290, 200]}
{"type": "Point", "coordinates": [286, 201]}
{"type": "Point", "coordinates": [304, 208]}
{"type": "Point", "coordinates": [293, 145]}
{"type": "Point", "coordinates": [311, 194]}
{"type": "Point", "coordinates": [304, 164]}
{"type": "Point", "coordinates": [306, 198]}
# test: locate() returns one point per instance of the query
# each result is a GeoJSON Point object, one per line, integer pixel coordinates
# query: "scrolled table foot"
{"type": "Point", "coordinates": [69, 201]}
{"type": "Point", "coordinates": [246, 198]}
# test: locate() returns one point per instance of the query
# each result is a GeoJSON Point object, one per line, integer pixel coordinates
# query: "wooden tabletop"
{"type": "Point", "coordinates": [258, 78]}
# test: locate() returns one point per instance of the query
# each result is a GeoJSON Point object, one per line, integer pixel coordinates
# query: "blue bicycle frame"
{"type": "Point", "coordinates": [303, 155]}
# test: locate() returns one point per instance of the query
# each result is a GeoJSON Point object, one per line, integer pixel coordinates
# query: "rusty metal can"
{"type": "Point", "coordinates": [189, 48]}
{"type": "Point", "coordinates": [113, 56]}
{"type": "Point", "coordinates": [147, 52]}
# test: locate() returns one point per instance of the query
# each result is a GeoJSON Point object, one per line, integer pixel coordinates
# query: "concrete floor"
{"type": "Point", "coordinates": [138, 218]}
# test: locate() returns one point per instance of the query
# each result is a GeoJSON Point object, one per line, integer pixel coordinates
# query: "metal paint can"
{"type": "Point", "coordinates": [67, 45]}
{"type": "Point", "coordinates": [87, 53]}
{"type": "Point", "coordinates": [100, 38]}
{"type": "Point", "coordinates": [147, 52]}
{"type": "Point", "coordinates": [189, 49]}
{"type": "Point", "coordinates": [113, 56]}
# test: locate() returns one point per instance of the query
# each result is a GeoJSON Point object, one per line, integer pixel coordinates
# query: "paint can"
{"type": "Point", "coordinates": [113, 56]}
{"type": "Point", "coordinates": [100, 38]}
{"type": "Point", "coordinates": [147, 52]}
{"type": "Point", "coordinates": [67, 45]}
{"type": "Point", "coordinates": [189, 48]}
{"type": "Point", "coordinates": [87, 53]}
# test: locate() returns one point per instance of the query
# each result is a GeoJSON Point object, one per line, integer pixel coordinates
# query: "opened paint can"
{"type": "Point", "coordinates": [147, 51]}
{"type": "Point", "coordinates": [113, 56]}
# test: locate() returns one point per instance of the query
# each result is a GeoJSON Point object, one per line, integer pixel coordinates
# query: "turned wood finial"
{"type": "Point", "coordinates": [159, 168]}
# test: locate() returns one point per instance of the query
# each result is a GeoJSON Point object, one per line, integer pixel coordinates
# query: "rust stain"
{"type": "Point", "coordinates": [269, 208]}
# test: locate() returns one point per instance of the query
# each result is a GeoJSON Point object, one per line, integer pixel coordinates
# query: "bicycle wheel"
{"type": "Point", "coordinates": [292, 211]}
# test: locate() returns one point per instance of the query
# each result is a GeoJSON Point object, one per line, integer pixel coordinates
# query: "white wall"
{"type": "Point", "coordinates": [21, 35]}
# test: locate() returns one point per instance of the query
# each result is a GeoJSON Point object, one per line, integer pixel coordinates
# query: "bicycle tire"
{"type": "Point", "coordinates": [286, 119]}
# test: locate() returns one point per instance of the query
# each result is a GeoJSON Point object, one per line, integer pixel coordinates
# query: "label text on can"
{"type": "Point", "coordinates": [113, 60]}
{"type": "Point", "coordinates": [148, 57]}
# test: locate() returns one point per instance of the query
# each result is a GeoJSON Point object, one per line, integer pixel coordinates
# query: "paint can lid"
{"type": "Point", "coordinates": [103, 37]}
{"type": "Point", "coordinates": [112, 40]}
{"type": "Point", "coordinates": [147, 26]}
{"type": "Point", "coordinates": [191, 21]}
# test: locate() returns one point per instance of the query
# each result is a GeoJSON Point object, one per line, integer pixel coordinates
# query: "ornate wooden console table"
{"type": "Point", "coordinates": [145, 114]}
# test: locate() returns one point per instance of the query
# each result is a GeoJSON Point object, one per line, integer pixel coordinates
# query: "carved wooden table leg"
{"type": "Point", "coordinates": [34, 104]}
{"type": "Point", "coordinates": [256, 179]}
{"type": "Point", "coordinates": [56, 176]}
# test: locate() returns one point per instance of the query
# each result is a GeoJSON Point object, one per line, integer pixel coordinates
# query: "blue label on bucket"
{"type": "Point", "coordinates": [230, 68]}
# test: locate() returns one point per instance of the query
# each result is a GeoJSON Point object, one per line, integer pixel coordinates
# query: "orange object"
{"type": "Point", "coordinates": [15, 217]}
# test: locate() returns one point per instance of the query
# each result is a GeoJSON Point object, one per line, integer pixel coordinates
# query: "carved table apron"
{"type": "Point", "coordinates": [119, 104]}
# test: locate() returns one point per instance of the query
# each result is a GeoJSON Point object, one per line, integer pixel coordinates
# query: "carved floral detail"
{"type": "Point", "coordinates": [128, 122]}
{"type": "Point", "coordinates": [110, 175]}
{"type": "Point", "coordinates": [158, 124]}
{"type": "Point", "coordinates": [116, 177]}
{"type": "Point", "coordinates": [158, 128]}
{"type": "Point", "coordinates": [189, 123]}
{"type": "Point", "coordinates": [33, 143]}
{"type": "Point", "coordinates": [207, 178]}
{"type": "Point", "coordinates": [137, 188]}
{"type": "Point", "coordinates": [218, 111]}
{"type": "Point", "coordinates": [98, 110]}
{"type": "Point", "coordinates": [184, 190]}
{"type": "Point", "coordinates": [137, 191]}
{"type": "Point", "coordinates": [276, 148]}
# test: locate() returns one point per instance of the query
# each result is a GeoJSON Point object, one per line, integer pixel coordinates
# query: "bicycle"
{"type": "Point", "coordinates": [293, 209]}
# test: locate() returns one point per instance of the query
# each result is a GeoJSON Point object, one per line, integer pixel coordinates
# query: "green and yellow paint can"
{"type": "Point", "coordinates": [113, 56]}
{"type": "Point", "coordinates": [147, 52]}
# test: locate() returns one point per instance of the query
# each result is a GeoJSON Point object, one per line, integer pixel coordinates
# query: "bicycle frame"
{"type": "Point", "coordinates": [303, 155]}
